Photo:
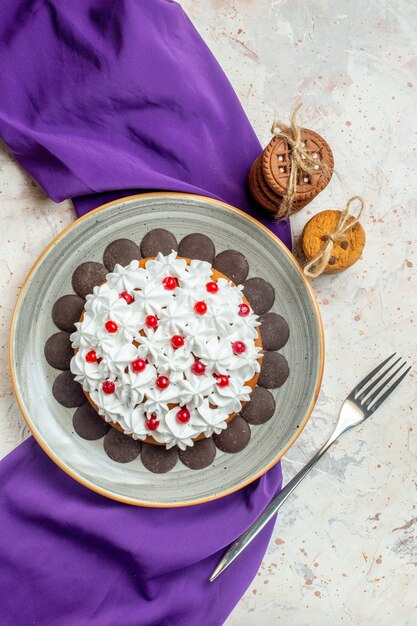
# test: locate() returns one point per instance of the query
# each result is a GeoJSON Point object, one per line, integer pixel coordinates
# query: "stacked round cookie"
{"type": "Point", "coordinates": [269, 175]}
{"type": "Point", "coordinates": [255, 291]}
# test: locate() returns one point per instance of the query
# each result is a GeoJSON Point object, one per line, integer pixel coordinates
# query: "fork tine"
{"type": "Point", "coordinates": [388, 392]}
{"type": "Point", "coordinates": [373, 384]}
{"type": "Point", "coordinates": [363, 382]}
{"type": "Point", "coordinates": [376, 392]}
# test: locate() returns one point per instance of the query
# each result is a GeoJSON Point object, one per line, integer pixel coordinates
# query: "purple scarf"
{"type": "Point", "coordinates": [101, 99]}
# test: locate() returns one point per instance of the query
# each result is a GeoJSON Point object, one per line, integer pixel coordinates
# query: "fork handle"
{"type": "Point", "coordinates": [249, 535]}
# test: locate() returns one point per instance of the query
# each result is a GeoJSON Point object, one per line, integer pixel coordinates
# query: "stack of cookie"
{"type": "Point", "coordinates": [269, 175]}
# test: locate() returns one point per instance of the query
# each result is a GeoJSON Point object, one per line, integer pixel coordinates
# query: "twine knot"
{"type": "Point", "coordinates": [347, 220]}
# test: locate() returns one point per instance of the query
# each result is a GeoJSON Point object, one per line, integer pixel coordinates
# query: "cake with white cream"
{"type": "Point", "coordinates": [167, 350]}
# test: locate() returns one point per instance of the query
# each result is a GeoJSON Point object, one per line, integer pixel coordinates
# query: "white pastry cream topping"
{"type": "Point", "coordinates": [164, 351]}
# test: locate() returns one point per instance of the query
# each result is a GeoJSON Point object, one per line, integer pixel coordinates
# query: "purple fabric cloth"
{"type": "Point", "coordinates": [100, 99]}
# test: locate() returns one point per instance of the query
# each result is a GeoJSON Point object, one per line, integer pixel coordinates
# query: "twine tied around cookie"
{"type": "Point", "coordinates": [347, 220]}
{"type": "Point", "coordinates": [300, 159]}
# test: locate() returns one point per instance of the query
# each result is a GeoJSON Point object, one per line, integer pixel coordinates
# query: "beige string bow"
{"type": "Point", "coordinates": [300, 159]}
{"type": "Point", "coordinates": [347, 220]}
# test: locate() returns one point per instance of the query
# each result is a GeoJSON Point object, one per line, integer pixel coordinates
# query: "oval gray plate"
{"type": "Point", "coordinates": [50, 278]}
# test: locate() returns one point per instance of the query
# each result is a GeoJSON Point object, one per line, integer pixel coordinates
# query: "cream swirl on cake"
{"type": "Point", "coordinates": [167, 349]}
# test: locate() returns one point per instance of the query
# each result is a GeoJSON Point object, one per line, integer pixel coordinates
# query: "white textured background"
{"type": "Point", "coordinates": [344, 551]}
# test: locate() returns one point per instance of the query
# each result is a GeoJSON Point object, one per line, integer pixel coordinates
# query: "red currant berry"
{"type": "Point", "coordinates": [177, 341]}
{"type": "Point", "coordinates": [152, 423]}
{"type": "Point", "coordinates": [126, 296]}
{"type": "Point", "coordinates": [138, 365]}
{"type": "Point", "coordinates": [244, 310]}
{"type": "Point", "coordinates": [170, 282]}
{"type": "Point", "coordinates": [111, 326]}
{"type": "Point", "coordinates": [222, 380]}
{"type": "Point", "coordinates": [151, 321]}
{"type": "Point", "coordinates": [212, 287]}
{"type": "Point", "coordinates": [91, 357]}
{"type": "Point", "coordinates": [200, 308]}
{"type": "Point", "coordinates": [198, 368]}
{"type": "Point", "coordinates": [162, 382]}
{"type": "Point", "coordinates": [108, 386]}
{"type": "Point", "coordinates": [183, 416]}
{"type": "Point", "coordinates": [238, 347]}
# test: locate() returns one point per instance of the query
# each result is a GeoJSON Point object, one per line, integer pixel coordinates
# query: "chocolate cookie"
{"type": "Point", "coordinates": [88, 424]}
{"type": "Point", "coordinates": [260, 294]}
{"type": "Point", "coordinates": [58, 350]}
{"type": "Point", "coordinates": [274, 331]}
{"type": "Point", "coordinates": [233, 264]}
{"type": "Point", "coordinates": [260, 407]}
{"type": "Point", "coordinates": [276, 166]}
{"type": "Point", "coordinates": [87, 276]}
{"type": "Point", "coordinates": [345, 252]}
{"type": "Point", "coordinates": [158, 240]}
{"type": "Point", "coordinates": [200, 455]}
{"type": "Point", "coordinates": [120, 447]}
{"type": "Point", "coordinates": [121, 251]}
{"type": "Point", "coordinates": [159, 460]}
{"type": "Point", "coordinates": [197, 246]}
{"type": "Point", "coordinates": [67, 391]}
{"type": "Point", "coordinates": [274, 370]}
{"type": "Point", "coordinates": [235, 437]}
{"type": "Point", "coordinates": [66, 311]}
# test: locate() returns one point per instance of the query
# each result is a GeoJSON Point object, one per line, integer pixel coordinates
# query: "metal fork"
{"type": "Point", "coordinates": [362, 401]}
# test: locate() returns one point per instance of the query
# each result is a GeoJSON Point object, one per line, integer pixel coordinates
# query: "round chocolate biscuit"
{"type": "Point", "coordinates": [88, 424]}
{"type": "Point", "coordinates": [58, 350]}
{"type": "Point", "coordinates": [87, 276]}
{"type": "Point", "coordinates": [197, 246]}
{"type": "Point", "coordinates": [66, 311]}
{"type": "Point", "coordinates": [158, 240]}
{"type": "Point", "coordinates": [260, 294]}
{"type": "Point", "coordinates": [159, 460]}
{"type": "Point", "coordinates": [276, 166]}
{"type": "Point", "coordinates": [67, 391]}
{"type": "Point", "coordinates": [274, 331]}
{"type": "Point", "coordinates": [235, 437]}
{"type": "Point", "coordinates": [121, 251]}
{"type": "Point", "coordinates": [260, 407]}
{"type": "Point", "coordinates": [200, 455]}
{"type": "Point", "coordinates": [120, 447]}
{"type": "Point", "coordinates": [274, 370]}
{"type": "Point", "coordinates": [233, 264]}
